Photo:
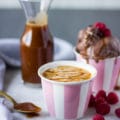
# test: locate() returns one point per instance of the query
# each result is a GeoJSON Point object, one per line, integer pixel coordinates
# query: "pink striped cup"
{"type": "Point", "coordinates": [107, 72]}
{"type": "Point", "coordinates": [67, 100]}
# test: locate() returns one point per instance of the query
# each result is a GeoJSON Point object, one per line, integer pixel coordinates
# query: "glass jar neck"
{"type": "Point", "coordinates": [33, 13]}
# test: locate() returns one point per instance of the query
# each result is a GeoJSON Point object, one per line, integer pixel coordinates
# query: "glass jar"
{"type": "Point", "coordinates": [36, 44]}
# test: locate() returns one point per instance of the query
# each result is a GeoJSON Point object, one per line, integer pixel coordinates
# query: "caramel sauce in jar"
{"type": "Point", "coordinates": [36, 49]}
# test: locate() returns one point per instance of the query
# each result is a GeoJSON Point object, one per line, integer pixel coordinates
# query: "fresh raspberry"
{"type": "Point", "coordinates": [112, 98]}
{"type": "Point", "coordinates": [100, 100]}
{"type": "Point", "coordinates": [92, 101]}
{"type": "Point", "coordinates": [101, 93]}
{"type": "Point", "coordinates": [107, 32]}
{"type": "Point", "coordinates": [103, 108]}
{"type": "Point", "coordinates": [117, 112]}
{"type": "Point", "coordinates": [100, 25]}
{"type": "Point", "coordinates": [98, 117]}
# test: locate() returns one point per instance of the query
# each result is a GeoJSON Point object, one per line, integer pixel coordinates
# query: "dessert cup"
{"type": "Point", "coordinates": [107, 72]}
{"type": "Point", "coordinates": [67, 100]}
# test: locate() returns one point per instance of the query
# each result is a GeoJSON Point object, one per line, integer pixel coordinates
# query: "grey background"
{"type": "Point", "coordinates": [64, 24]}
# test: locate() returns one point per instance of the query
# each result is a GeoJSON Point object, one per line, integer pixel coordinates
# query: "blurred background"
{"type": "Point", "coordinates": [66, 17]}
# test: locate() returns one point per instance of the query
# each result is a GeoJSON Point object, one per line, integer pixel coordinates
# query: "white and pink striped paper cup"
{"type": "Point", "coordinates": [67, 100]}
{"type": "Point", "coordinates": [107, 72]}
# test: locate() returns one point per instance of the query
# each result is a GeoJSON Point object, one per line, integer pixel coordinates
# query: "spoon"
{"type": "Point", "coordinates": [25, 107]}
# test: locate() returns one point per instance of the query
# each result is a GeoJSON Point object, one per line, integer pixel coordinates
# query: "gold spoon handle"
{"type": "Point", "coordinates": [3, 94]}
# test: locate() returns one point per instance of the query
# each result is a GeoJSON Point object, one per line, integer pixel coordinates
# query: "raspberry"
{"type": "Point", "coordinates": [117, 112]}
{"type": "Point", "coordinates": [100, 100]}
{"type": "Point", "coordinates": [100, 25]}
{"type": "Point", "coordinates": [107, 32]}
{"type": "Point", "coordinates": [112, 98]}
{"type": "Point", "coordinates": [101, 93]}
{"type": "Point", "coordinates": [103, 108]}
{"type": "Point", "coordinates": [92, 101]}
{"type": "Point", "coordinates": [98, 117]}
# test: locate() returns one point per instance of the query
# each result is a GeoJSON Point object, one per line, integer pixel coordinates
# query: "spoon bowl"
{"type": "Point", "coordinates": [26, 107]}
